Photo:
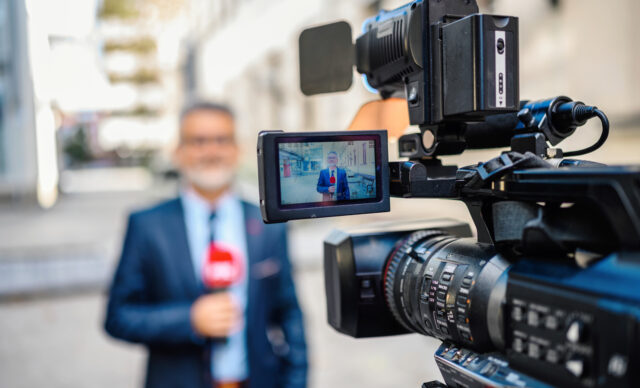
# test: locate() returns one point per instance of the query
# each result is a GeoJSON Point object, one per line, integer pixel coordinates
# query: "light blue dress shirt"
{"type": "Point", "coordinates": [229, 361]}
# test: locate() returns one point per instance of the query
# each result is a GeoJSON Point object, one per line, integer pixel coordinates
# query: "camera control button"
{"type": "Point", "coordinates": [517, 313]}
{"type": "Point", "coordinates": [489, 369]}
{"type": "Point", "coordinates": [518, 345]}
{"type": "Point", "coordinates": [617, 366]}
{"type": "Point", "coordinates": [575, 331]}
{"type": "Point", "coordinates": [576, 366]}
{"type": "Point", "coordinates": [552, 356]}
{"type": "Point", "coordinates": [446, 277]}
{"type": "Point", "coordinates": [466, 282]}
{"type": "Point", "coordinates": [551, 322]}
{"type": "Point", "coordinates": [533, 318]}
{"type": "Point", "coordinates": [413, 97]}
{"type": "Point", "coordinates": [500, 46]}
{"type": "Point", "coordinates": [533, 350]}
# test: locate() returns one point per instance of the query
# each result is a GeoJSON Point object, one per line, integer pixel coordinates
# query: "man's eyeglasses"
{"type": "Point", "coordinates": [202, 141]}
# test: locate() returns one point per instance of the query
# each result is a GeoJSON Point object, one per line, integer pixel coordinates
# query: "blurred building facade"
{"type": "Point", "coordinates": [587, 49]}
{"type": "Point", "coordinates": [141, 57]}
{"type": "Point", "coordinates": [28, 162]}
{"type": "Point", "coordinates": [17, 164]}
{"type": "Point", "coordinates": [83, 89]}
{"type": "Point", "coordinates": [124, 79]}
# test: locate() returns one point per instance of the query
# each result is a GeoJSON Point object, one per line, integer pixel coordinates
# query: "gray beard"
{"type": "Point", "coordinates": [210, 179]}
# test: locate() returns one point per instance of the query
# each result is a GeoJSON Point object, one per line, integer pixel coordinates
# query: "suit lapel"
{"type": "Point", "coordinates": [179, 252]}
{"type": "Point", "coordinates": [253, 229]}
{"type": "Point", "coordinates": [254, 235]}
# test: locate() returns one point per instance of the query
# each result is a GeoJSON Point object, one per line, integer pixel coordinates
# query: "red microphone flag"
{"type": "Point", "coordinates": [332, 180]}
{"type": "Point", "coordinates": [223, 266]}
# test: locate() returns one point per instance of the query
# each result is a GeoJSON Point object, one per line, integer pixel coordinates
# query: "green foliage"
{"type": "Point", "coordinates": [141, 77]}
{"type": "Point", "coordinates": [119, 9]}
{"type": "Point", "coordinates": [139, 110]}
{"type": "Point", "coordinates": [144, 45]}
{"type": "Point", "coordinates": [76, 148]}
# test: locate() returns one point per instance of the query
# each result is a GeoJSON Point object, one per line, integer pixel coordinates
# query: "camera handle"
{"type": "Point", "coordinates": [463, 367]}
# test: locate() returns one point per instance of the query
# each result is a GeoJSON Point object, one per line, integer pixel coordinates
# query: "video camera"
{"type": "Point", "coordinates": [547, 293]}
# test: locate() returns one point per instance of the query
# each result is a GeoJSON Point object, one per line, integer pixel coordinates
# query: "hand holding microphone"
{"type": "Point", "coordinates": [216, 314]}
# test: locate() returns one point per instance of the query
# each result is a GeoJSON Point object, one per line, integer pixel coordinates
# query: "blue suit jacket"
{"type": "Point", "coordinates": [155, 284]}
{"type": "Point", "coordinates": [342, 186]}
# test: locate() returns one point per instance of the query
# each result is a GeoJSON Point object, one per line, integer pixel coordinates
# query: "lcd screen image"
{"type": "Point", "coordinates": [327, 172]}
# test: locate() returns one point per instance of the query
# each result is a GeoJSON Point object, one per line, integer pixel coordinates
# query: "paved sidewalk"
{"type": "Point", "coordinates": [71, 246]}
{"type": "Point", "coordinates": [54, 265]}
{"type": "Point", "coordinates": [59, 343]}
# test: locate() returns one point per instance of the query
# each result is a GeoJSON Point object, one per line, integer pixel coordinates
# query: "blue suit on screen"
{"type": "Point", "coordinates": [155, 285]}
{"type": "Point", "coordinates": [342, 186]}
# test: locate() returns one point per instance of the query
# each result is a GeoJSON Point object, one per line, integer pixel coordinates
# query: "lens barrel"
{"type": "Point", "coordinates": [447, 287]}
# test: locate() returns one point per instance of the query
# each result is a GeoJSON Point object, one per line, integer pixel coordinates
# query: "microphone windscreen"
{"type": "Point", "coordinates": [223, 266]}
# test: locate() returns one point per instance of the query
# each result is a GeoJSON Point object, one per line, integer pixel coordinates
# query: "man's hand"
{"type": "Point", "coordinates": [332, 189]}
{"type": "Point", "coordinates": [215, 315]}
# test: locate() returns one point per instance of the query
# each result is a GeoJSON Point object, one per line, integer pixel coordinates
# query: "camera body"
{"type": "Point", "coordinates": [540, 318]}
{"type": "Point", "coordinates": [450, 62]}
{"type": "Point", "coordinates": [453, 65]}
{"type": "Point", "coordinates": [546, 293]}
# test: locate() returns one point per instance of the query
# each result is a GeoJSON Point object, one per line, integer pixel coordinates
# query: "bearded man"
{"type": "Point", "coordinates": [248, 335]}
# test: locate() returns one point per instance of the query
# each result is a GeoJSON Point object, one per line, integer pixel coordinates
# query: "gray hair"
{"type": "Point", "coordinates": [205, 106]}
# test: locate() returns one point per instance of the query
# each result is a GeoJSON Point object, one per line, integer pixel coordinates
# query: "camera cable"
{"type": "Point", "coordinates": [582, 113]}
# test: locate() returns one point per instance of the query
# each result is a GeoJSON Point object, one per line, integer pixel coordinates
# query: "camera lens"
{"type": "Point", "coordinates": [439, 285]}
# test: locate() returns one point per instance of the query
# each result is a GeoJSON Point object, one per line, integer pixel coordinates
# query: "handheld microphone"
{"type": "Point", "coordinates": [332, 181]}
{"type": "Point", "coordinates": [223, 267]}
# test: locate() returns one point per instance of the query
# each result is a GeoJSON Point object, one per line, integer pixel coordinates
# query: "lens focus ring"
{"type": "Point", "coordinates": [404, 250]}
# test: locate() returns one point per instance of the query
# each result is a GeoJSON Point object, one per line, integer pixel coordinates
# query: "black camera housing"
{"type": "Point", "coordinates": [354, 274]}
{"type": "Point", "coordinates": [451, 63]}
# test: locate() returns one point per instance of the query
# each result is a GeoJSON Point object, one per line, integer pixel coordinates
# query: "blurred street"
{"type": "Point", "coordinates": [52, 304]}
{"type": "Point", "coordinates": [62, 342]}
{"type": "Point", "coordinates": [54, 267]}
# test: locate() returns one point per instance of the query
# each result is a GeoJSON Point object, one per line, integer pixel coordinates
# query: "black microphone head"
{"type": "Point", "coordinates": [326, 59]}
